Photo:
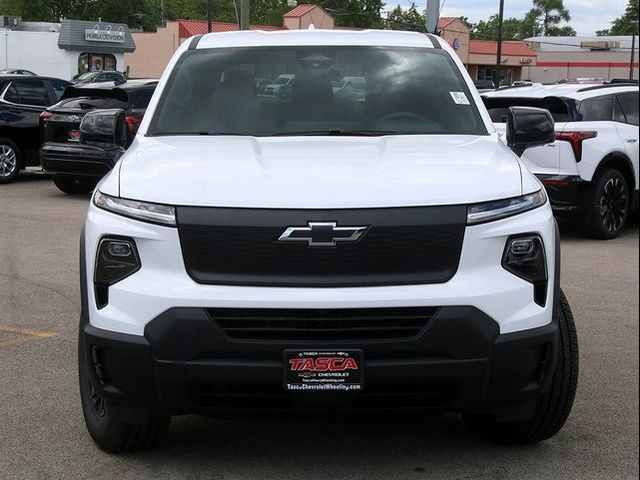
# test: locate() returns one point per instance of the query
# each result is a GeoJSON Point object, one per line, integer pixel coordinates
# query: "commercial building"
{"type": "Point", "coordinates": [480, 56]}
{"type": "Point", "coordinates": [155, 49]}
{"type": "Point", "coordinates": [571, 58]}
{"type": "Point", "coordinates": [63, 49]}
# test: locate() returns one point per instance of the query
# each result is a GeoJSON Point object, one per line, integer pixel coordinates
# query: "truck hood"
{"type": "Point", "coordinates": [319, 172]}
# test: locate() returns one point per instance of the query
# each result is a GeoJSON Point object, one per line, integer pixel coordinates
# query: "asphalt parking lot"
{"type": "Point", "coordinates": [42, 434]}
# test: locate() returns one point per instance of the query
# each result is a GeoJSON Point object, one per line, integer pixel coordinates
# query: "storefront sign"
{"type": "Point", "coordinates": [100, 35]}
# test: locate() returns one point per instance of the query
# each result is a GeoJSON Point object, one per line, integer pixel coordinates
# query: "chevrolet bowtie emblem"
{"type": "Point", "coordinates": [322, 234]}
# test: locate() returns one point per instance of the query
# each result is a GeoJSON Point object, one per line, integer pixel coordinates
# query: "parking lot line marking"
{"type": "Point", "coordinates": [26, 335]}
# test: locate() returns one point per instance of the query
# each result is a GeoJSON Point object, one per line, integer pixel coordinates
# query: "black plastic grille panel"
{"type": "Point", "coordinates": [322, 325]}
{"type": "Point", "coordinates": [417, 245]}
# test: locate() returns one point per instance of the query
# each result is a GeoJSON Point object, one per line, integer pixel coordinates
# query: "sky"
{"type": "Point", "coordinates": [587, 16]}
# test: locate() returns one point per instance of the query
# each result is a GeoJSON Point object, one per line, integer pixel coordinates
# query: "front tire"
{"type": "Point", "coordinates": [73, 186]}
{"type": "Point", "coordinates": [10, 161]}
{"type": "Point", "coordinates": [607, 208]}
{"type": "Point", "coordinates": [553, 407]}
{"type": "Point", "coordinates": [110, 435]}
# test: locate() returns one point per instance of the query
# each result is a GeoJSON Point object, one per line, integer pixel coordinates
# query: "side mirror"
{"type": "Point", "coordinates": [529, 127]}
{"type": "Point", "coordinates": [104, 127]}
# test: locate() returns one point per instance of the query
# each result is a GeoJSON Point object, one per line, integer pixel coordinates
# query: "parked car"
{"type": "Point", "coordinates": [281, 86]}
{"type": "Point", "coordinates": [22, 99]}
{"type": "Point", "coordinates": [76, 164]}
{"type": "Point", "coordinates": [16, 71]}
{"type": "Point", "coordinates": [99, 77]}
{"type": "Point", "coordinates": [261, 83]}
{"type": "Point", "coordinates": [350, 88]}
{"type": "Point", "coordinates": [591, 170]}
{"type": "Point", "coordinates": [252, 253]}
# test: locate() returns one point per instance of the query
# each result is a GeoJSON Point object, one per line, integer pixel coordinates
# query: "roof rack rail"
{"type": "Point", "coordinates": [511, 87]}
{"type": "Point", "coordinates": [607, 85]}
{"type": "Point", "coordinates": [623, 80]}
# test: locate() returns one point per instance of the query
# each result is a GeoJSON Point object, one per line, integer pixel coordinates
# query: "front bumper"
{"type": "Point", "coordinates": [490, 347]}
{"type": "Point", "coordinates": [79, 160]}
{"type": "Point", "coordinates": [185, 363]}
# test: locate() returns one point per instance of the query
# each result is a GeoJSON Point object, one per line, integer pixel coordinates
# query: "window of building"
{"type": "Point", "coordinates": [488, 72]}
{"type": "Point", "coordinates": [95, 62]}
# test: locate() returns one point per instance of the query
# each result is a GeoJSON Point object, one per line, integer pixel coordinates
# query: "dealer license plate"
{"type": "Point", "coordinates": [322, 370]}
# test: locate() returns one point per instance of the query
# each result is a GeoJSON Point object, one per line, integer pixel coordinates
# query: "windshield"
{"type": "Point", "coordinates": [396, 91]}
{"type": "Point", "coordinates": [85, 76]}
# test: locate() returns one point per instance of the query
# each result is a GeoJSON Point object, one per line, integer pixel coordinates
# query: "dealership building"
{"type": "Point", "coordinates": [571, 58]}
{"type": "Point", "coordinates": [63, 49]}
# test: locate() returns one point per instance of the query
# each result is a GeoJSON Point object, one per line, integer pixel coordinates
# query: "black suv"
{"type": "Point", "coordinates": [77, 165]}
{"type": "Point", "coordinates": [22, 99]}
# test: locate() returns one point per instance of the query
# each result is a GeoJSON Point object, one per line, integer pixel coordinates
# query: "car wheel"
{"type": "Point", "coordinates": [608, 205]}
{"type": "Point", "coordinates": [109, 434]}
{"type": "Point", "coordinates": [10, 161]}
{"type": "Point", "coordinates": [74, 186]}
{"type": "Point", "coordinates": [554, 406]}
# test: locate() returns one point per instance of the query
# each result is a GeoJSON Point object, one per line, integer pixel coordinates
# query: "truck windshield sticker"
{"type": "Point", "coordinates": [459, 98]}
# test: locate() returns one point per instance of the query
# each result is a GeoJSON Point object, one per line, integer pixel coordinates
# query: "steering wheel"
{"type": "Point", "coordinates": [395, 116]}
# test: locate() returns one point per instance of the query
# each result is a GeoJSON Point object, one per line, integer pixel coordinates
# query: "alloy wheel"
{"type": "Point", "coordinates": [8, 161]}
{"type": "Point", "coordinates": [613, 204]}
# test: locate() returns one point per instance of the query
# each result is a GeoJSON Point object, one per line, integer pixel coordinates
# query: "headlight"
{"type": "Point", "coordinates": [495, 210]}
{"type": "Point", "coordinates": [146, 212]}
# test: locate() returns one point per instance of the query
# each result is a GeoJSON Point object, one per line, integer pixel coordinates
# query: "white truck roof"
{"type": "Point", "coordinates": [255, 38]}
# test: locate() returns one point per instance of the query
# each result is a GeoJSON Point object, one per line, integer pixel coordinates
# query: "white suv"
{"type": "Point", "coordinates": [311, 252]}
{"type": "Point", "coordinates": [592, 169]}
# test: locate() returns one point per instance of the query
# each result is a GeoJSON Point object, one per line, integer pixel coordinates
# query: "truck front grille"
{"type": "Point", "coordinates": [322, 325]}
{"type": "Point", "coordinates": [401, 246]}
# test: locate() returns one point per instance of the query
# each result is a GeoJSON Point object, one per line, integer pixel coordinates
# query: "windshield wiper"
{"type": "Point", "coordinates": [336, 133]}
{"type": "Point", "coordinates": [204, 133]}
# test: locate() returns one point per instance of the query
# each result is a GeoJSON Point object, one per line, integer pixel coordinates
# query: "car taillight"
{"type": "Point", "coordinates": [133, 122]}
{"type": "Point", "coordinates": [576, 139]}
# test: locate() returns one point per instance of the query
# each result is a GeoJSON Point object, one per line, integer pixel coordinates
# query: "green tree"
{"type": "Point", "coordinates": [513, 29]}
{"type": "Point", "coordinates": [625, 24]}
{"type": "Point", "coordinates": [406, 19]}
{"type": "Point", "coordinates": [547, 17]}
{"type": "Point", "coordinates": [354, 13]}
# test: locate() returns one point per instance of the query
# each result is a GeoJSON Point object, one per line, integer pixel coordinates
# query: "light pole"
{"type": "Point", "coordinates": [499, 55]}
{"type": "Point", "coordinates": [209, 16]}
{"type": "Point", "coordinates": [244, 14]}
{"type": "Point", "coordinates": [633, 50]}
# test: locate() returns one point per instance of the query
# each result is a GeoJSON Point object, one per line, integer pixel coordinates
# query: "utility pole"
{"type": "Point", "coordinates": [633, 50]}
{"type": "Point", "coordinates": [499, 55]}
{"type": "Point", "coordinates": [244, 14]}
{"type": "Point", "coordinates": [432, 16]}
{"type": "Point", "coordinates": [209, 15]}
